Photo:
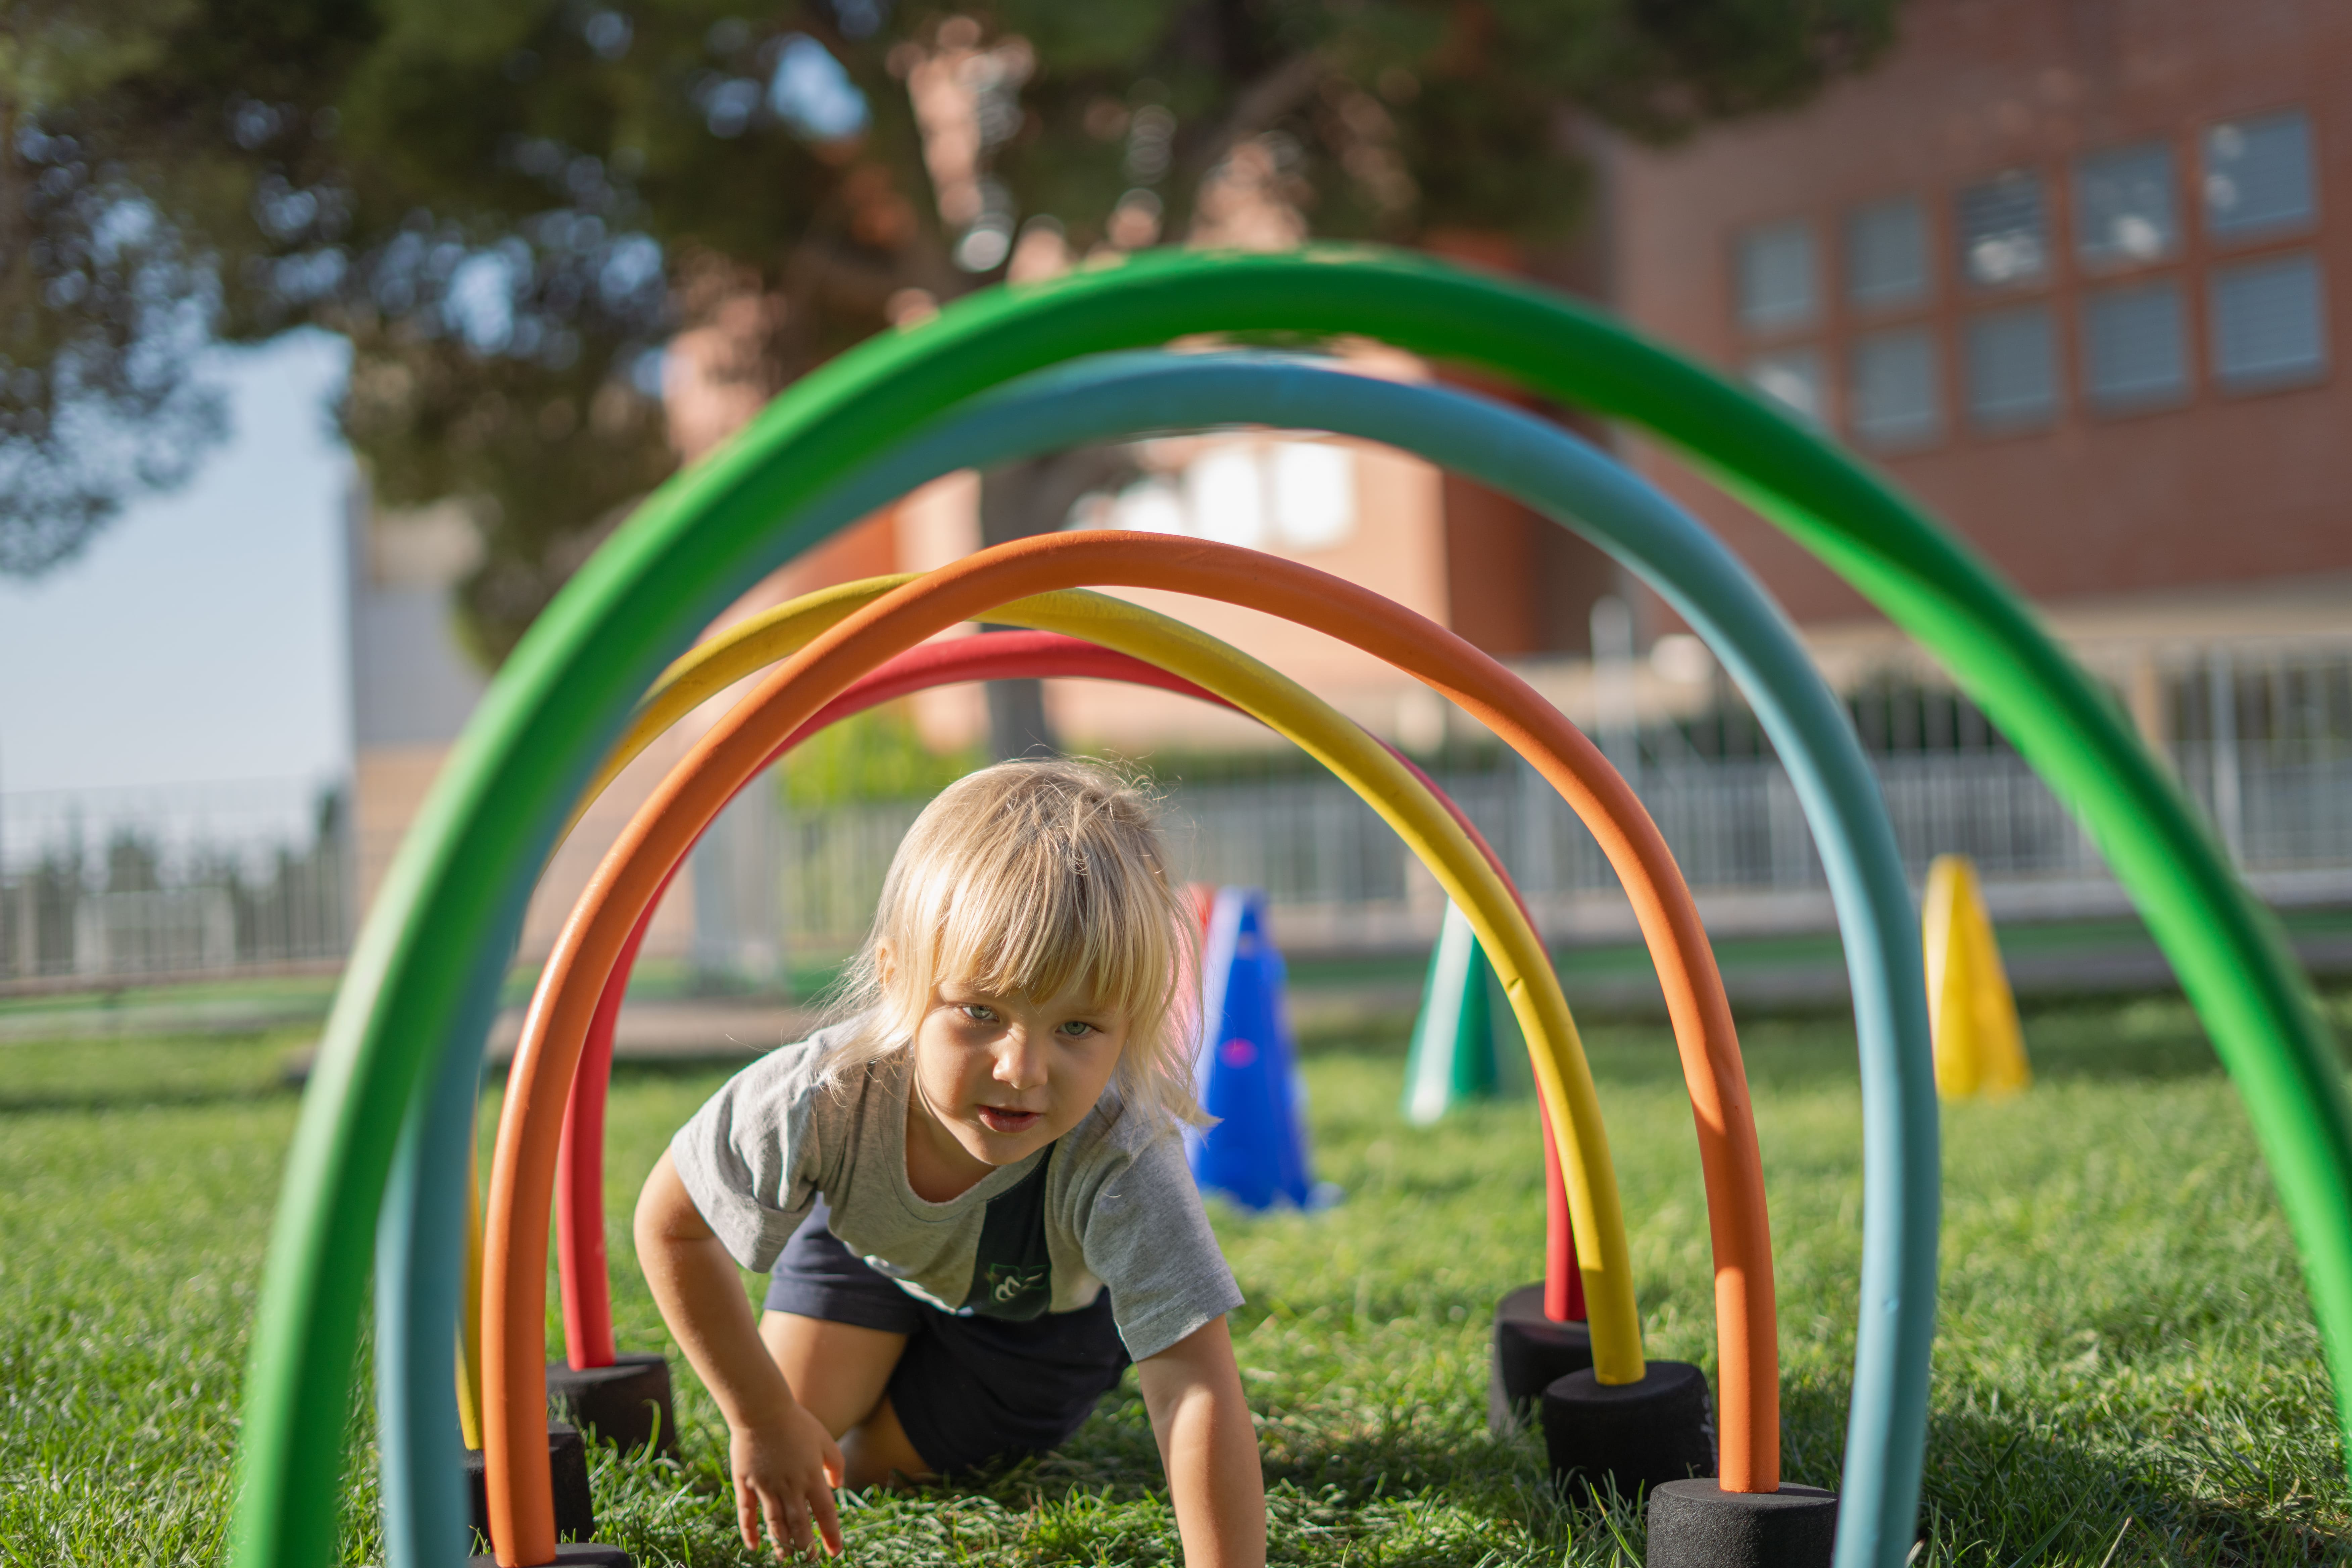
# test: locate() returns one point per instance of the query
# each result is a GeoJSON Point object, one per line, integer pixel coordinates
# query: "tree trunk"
{"type": "Point", "coordinates": [1017, 501]}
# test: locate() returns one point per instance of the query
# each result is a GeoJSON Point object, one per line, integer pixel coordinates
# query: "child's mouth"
{"type": "Point", "coordinates": [998, 1120]}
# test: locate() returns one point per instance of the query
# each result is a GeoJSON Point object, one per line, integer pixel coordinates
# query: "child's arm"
{"type": "Point", "coordinates": [1210, 1450]}
{"type": "Point", "coordinates": [785, 1464]}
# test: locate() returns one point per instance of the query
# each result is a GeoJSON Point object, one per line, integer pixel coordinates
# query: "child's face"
{"type": "Point", "coordinates": [1005, 1076]}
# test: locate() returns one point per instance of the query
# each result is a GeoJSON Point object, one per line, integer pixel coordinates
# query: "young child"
{"type": "Point", "coordinates": [971, 1192]}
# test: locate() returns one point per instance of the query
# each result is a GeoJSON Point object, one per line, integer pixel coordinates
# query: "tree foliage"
{"type": "Point", "coordinates": [508, 206]}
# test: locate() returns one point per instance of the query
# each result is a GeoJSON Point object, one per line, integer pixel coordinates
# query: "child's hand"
{"type": "Point", "coordinates": [784, 1473]}
{"type": "Point", "coordinates": [782, 1461]}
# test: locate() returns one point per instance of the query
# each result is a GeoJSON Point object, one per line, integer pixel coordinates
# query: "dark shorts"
{"type": "Point", "coordinates": [969, 1391]}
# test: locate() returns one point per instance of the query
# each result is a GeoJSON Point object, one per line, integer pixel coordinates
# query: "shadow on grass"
{"type": "Point", "coordinates": [38, 1102]}
{"type": "Point", "coordinates": [2108, 1044]}
{"type": "Point", "coordinates": [2033, 1491]}
{"type": "Point", "coordinates": [142, 1074]}
{"type": "Point", "coordinates": [1388, 1497]}
{"type": "Point", "coordinates": [1363, 1456]}
{"type": "Point", "coordinates": [1804, 1052]}
{"type": "Point", "coordinates": [1398, 1455]}
{"type": "Point", "coordinates": [1422, 1492]}
{"type": "Point", "coordinates": [2037, 1490]}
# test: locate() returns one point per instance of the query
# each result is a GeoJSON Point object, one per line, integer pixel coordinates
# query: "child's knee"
{"type": "Point", "coordinates": [879, 1453]}
{"type": "Point", "coordinates": [836, 1371]}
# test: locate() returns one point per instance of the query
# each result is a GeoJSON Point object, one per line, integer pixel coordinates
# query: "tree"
{"type": "Point", "coordinates": [509, 208]}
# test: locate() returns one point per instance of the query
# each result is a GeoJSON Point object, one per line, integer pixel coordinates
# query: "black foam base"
{"type": "Point", "coordinates": [567, 1465]}
{"type": "Point", "coordinates": [574, 1554]}
{"type": "Point", "coordinates": [1634, 1436]}
{"type": "Point", "coordinates": [627, 1403]}
{"type": "Point", "coordinates": [1697, 1524]}
{"type": "Point", "coordinates": [1531, 1353]}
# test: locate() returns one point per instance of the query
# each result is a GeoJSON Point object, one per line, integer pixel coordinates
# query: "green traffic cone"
{"type": "Point", "coordinates": [1453, 1056]}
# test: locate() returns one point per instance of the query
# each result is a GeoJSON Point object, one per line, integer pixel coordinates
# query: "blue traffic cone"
{"type": "Point", "coordinates": [1256, 1152]}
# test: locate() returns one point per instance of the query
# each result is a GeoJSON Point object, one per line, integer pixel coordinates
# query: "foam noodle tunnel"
{"type": "Point", "coordinates": [1256, 1152]}
{"type": "Point", "coordinates": [1709, 1085]}
{"type": "Point", "coordinates": [1816, 733]}
{"type": "Point", "coordinates": [377, 1170]}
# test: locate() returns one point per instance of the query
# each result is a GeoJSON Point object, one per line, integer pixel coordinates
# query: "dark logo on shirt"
{"type": "Point", "coordinates": [1013, 1266]}
{"type": "Point", "coordinates": [1008, 1282]}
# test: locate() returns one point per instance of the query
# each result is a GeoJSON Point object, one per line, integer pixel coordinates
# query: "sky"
{"type": "Point", "coordinates": [200, 636]}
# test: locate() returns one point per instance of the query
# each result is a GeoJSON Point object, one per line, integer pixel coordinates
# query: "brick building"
{"type": "Point", "coordinates": [2075, 273]}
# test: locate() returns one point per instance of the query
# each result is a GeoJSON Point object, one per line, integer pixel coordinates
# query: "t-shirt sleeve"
{"type": "Point", "coordinates": [750, 1159]}
{"type": "Point", "coordinates": [1147, 1239]}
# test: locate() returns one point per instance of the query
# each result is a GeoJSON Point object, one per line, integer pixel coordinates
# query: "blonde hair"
{"type": "Point", "coordinates": [1032, 877]}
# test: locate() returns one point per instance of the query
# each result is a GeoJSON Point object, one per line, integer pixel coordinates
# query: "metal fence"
{"type": "Point", "coordinates": [1341, 878]}
{"type": "Point", "coordinates": [106, 886]}
{"type": "Point", "coordinates": [103, 887]}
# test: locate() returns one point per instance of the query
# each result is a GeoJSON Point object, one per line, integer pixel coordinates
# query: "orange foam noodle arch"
{"type": "Point", "coordinates": [523, 1177]}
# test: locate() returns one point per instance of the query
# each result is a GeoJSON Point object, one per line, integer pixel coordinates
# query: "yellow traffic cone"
{"type": "Point", "coordinates": [1970, 1009]}
{"type": "Point", "coordinates": [2001, 1064]}
{"type": "Point", "coordinates": [1951, 1013]}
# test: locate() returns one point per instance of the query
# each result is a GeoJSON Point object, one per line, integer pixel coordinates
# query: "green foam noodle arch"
{"type": "Point", "coordinates": [425, 967]}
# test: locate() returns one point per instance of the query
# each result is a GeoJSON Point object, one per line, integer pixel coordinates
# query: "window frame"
{"type": "Point", "coordinates": [2130, 405]}
{"type": "Point", "coordinates": [1938, 427]}
{"type": "Point", "coordinates": [2290, 378]}
{"type": "Point", "coordinates": [1799, 319]}
{"type": "Point", "coordinates": [1922, 293]}
{"type": "Point", "coordinates": [2108, 263]}
{"type": "Point", "coordinates": [2045, 265]}
{"type": "Point", "coordinates": [2227, 234]}
{"type": "Point", "coordinates": [2020, 420]}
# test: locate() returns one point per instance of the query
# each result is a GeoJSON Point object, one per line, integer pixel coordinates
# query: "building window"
{"type": "Point", "coordinates": [1886, 254]}
{"type": "Point", "coordinates": [2135, 348]}
{"type": "Point", "coordinates": [2123, 207]}
{"type": "Point", "coordinates": [1895, 401]}
{"type": "Point", "coordinates": [1225, 497]}
{"type": "Point", "coordinates": [2269, 326]}
{"type": "Point", "coordinates": [2013, 369]}
{"type": "Point", "coordinates": [2003, 234]}
{"type": "Point", "coordinates": [2258, 175]}
{"type": "Point", "coordinates": [1297, 496]}
{"type": "Point", "coordinates": [1793, 377]}
{"type": "Point", "coordinates": [1313, 485]}
{"type": "Point", "coordinates": [1776, 277]}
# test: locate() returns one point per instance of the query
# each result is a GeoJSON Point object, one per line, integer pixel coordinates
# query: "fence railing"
{"type": "Point", "coordinates": [1338, 874]}
{"type": "Point", "coordinates": [125, 886]}
{"type": "Point", "coordinates": [110, 886]}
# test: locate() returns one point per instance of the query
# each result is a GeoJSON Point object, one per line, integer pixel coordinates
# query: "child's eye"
{"type": "Point", "coordinates": [1078, 1029]}
{"type": "Point", "coordinates": [977, 1013]}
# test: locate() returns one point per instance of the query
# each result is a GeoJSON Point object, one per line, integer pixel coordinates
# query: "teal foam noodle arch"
{"type": "Point", "coordinates": [1114, 395]}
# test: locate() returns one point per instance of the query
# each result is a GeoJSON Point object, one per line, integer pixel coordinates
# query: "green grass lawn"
{"type": "Point", "coordinates": [2128, 1370]}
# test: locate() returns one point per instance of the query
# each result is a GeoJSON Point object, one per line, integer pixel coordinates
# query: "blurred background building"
{"type": "Point", "coordinates": [2069, 273]}
{"type": "Point", "coordinates": [2065, 272]}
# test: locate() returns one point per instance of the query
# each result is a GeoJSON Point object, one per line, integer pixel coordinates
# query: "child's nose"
{"type": "Point", "coordinates": [1020, 1060]}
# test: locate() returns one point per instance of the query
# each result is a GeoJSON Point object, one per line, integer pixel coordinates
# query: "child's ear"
{"type": "Point", "coordinates": [886, 964]}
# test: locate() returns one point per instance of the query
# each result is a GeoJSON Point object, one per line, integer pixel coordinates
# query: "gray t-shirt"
{"type": "Point", "coordinates": [1121, 1209]}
